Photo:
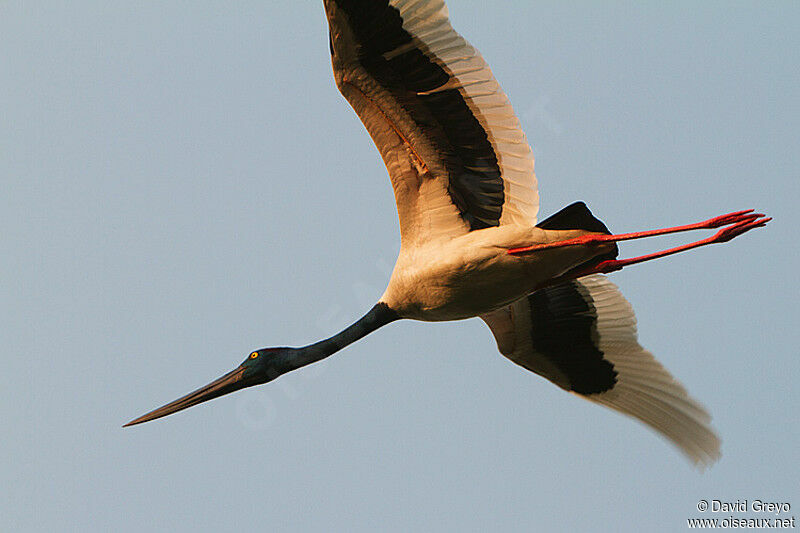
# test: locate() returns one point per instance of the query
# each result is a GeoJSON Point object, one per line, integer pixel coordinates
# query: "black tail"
{"type": "Point", "coordinates": [574, 216]}
{"type": "Point", "coordinates": [578, 216]}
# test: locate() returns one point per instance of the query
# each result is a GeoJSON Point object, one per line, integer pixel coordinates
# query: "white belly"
{"type": "Point", "coordinates": [472, 274]}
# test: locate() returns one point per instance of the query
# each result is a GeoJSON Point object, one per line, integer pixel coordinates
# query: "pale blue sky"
{"type": "Point", "coordinates": [180, 182]}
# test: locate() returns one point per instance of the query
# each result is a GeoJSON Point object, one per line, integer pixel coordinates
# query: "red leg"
{"type": "Point", "coordinates": [723, 235]}
{"type": "Point", "coordinates": [739, 217]}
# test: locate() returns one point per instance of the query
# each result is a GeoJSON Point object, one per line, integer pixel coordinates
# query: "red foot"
{"type": "Point", "coordinates": [726, 234]}
{"type": "Point", "coordinates": [724, 220]}
{"type": "Point", "coordinates": [735, 219]}
{"type": "Point", "coordinates": [745, 224]}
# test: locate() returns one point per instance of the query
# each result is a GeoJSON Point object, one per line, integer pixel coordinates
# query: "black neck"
{"type": "Point", "coordinates": [380, 315]}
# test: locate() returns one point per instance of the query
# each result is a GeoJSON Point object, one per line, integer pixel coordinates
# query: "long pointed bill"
{"type": "Point", "coordinates": [230, 382]}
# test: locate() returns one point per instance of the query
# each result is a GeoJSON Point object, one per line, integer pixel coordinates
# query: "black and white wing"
{"type": "Point", "coordinates": [581, 335]}
{"type": "Point", "coordinates": [457, 157]}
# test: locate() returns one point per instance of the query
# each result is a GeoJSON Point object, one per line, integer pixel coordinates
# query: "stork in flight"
{"type": "Point", "coordinates": [462, 174]}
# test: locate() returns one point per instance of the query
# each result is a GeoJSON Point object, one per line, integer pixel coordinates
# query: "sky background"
{"type": "Point", "coordinates": [181, 182]}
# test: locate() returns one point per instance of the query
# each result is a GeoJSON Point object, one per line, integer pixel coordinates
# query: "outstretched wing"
{"type": "Point", "coordinates": [581, 335]}
{"type": "Point", "coordinates": [457, 157]}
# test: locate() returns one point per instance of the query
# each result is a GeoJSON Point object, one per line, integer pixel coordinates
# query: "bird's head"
{"type": "Point", "coordinates": [265, 364]}
{"type": "Point", "coordinates": [260, 366]}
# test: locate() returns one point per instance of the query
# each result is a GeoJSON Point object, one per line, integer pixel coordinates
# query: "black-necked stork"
{"type": "Point", "coordinates": [462, 173]}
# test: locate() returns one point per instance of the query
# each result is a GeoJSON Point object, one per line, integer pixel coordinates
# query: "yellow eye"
{"type": "Point", "coordinates": [253, 355]}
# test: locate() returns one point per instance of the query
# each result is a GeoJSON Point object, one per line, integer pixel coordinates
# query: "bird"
{"type": "Point", "coordinates": [463, 177]}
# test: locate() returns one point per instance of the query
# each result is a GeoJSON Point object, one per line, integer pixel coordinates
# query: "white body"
{"type": "Point", "coordinates": [463, 178]}
{"type": "Point", "coordinates": [471, 275]}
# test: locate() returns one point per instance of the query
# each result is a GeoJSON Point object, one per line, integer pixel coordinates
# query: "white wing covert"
{"type": "Point", "coordinates": [454, 149]}
{"type": "Point", "coordinates": [581, 335]}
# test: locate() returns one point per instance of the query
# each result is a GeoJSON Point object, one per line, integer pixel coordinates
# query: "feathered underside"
{"type": "Point", "coordinates": [581, 335]}
{"type": "Point", "coordinates": [457, 157]}
{"type": "Point", "coordinates": [459, 162]}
